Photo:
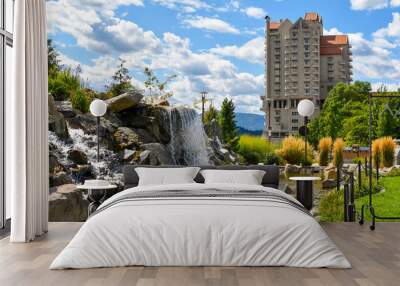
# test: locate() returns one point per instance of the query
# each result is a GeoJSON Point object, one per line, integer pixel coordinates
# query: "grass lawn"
{"type": "Point", "coordinates": [386, 203]}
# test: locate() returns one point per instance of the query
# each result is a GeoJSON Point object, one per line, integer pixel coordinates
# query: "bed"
{"type": "Point", "coordinates": [201, 224]}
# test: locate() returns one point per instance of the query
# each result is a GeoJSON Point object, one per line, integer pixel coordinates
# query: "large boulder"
{"type": "Point", "coordinates": [292, 169]}
{"type": "Point", "coordinates": [78, 157]}
{"type": "Point", "coordinates": [57, 122]}
{"type": "Point", "coordinates": [330, 173]}
{"type": "Point", "coordinates": [124, 101]}
{"type": "Point", "coordinates": [153, 119]}
{"type": "Point", "coordinates": [67, 203]}
{"type": "Point", "coordinates": [60, 178]}
{"type": "Point", "coordinates": [155, 154]}
{"type": "Point", "coordinates": [125, 138]}
{"type": "Point", "coordinates": [65, 108]}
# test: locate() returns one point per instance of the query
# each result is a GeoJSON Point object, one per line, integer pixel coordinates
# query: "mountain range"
{"type": "Point", "coordinates": [249, 123]}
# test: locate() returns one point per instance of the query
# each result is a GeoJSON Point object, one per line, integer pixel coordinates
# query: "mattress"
{"type": "Point", "coordinates": [201, 225]}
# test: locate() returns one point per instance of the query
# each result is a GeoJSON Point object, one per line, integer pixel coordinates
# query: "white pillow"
{"type": "Point", "coordinates": [248, 177]}
{"type": "Point", "coordinates": [166, 176]}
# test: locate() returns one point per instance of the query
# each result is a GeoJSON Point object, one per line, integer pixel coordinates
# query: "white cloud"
{"type": "Point", "coordinates": [185, 6]}
{"type": "Point", "coordinates": [252, 51]}
{"type": "Point", "coordinates": [211, 24]}
{"type": "Point", "coordinates": [395, 3]}
{"type": "Point", "coordinates": [255, 12]}
{"type": "Point", "coordinates": [368, 4]}
{"type": "Point", "coordinates": [388, 86]}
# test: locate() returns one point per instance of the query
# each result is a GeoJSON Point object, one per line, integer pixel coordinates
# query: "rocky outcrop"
{"type": "Point", "coordinates": [155, 154]}
{"type": "Point", "coordinates": [66, 203]}
{"type": "Point", "coordinates": [65, 108]}
{"type": "Point", "coordinates": [56, 120]}
{"type": "Point", "coordinates": [124, 101]}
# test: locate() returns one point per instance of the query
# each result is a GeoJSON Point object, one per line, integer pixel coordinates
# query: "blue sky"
{"type": "Point", "coordinates": [214, 45]}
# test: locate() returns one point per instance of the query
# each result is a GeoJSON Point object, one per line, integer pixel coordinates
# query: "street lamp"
{"type": "Point", "coordinates": [305, 108]}
{"type": "Point", "coordinates": [98, 108]}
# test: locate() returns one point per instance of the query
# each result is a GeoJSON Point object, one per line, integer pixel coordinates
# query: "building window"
{"type": "Point", "coordinates": [295, 120]}
{"type": "Point", "coordinates": [6, 44]}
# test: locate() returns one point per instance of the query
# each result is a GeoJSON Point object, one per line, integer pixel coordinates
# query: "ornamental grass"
{"type": "Point", "coordinates": [292, 151]}
{"type": "Point", "coordinates": [338, 147]}
{"type": "Point", "coordinates": [325, 145]}
{"type": "Point", "coordinates": [387, 146]}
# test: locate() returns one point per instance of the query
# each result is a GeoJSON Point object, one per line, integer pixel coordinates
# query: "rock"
{"type": "Point", "coordinates": [330, 173]}
{"type": "Point", "coordinates": [124, 101]}
{"type": "Point", "coordinates": [65, 108]}
{"type": "Point", "coordinates": [328, 184]}
{"type": "Point", "coordinates": [125, 137]}
{"type": "Point", "coordinates": [57, 122]}
{"type": "Point", "coordinates": [54, 165]}
{"type": "Point", "coordinates": [162, 102]}
{"type": "Point", "coordinates": [82, 172]}
{"type": "Point", "coordinates": [292, 169]}
{"type": "Point", "coordinates": [144, 136]}
{"type": "Point", "coordinates": [66, 203]}
{"type": "Point", "coordinates": [78, 157]}
{"type": "Point", "coordinates": [59, 179]}
{"type": "Point", "coordinates": [127, 155]}
{"type": "Point", "coordinates": [158, 155]}
{"type": "Point", "coordinates": [213, 130]}
{"type": "Point", "coordinates": [153, 119]}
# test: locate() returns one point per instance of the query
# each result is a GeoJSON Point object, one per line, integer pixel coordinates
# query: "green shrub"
{"type": "Point", "coordinates": [63, 83]}
{"type": "Point", "coordinates": [292, 151]}
{"type": "Point", "coordinates": [331, 206]}
{"type": "Point", "coordinates": [254, 149]}
{"type": "Point", "coordinates": [272, 159]}
{"type": "Point", "coordinates": [80, 101]}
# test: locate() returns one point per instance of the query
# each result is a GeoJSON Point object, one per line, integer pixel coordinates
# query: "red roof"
{"type": "Point", "coordinates": [274, 25]}
{"type": "Point", "coordinates": [312, 16]}
{"type": "Point", "coordinates": [333, 44]}
{"type": "Point", "coordinates": [334, 40]}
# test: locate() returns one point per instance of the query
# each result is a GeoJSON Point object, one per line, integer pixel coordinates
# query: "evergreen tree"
{"type": "Point", "coordinates": [226, 120]}
{"type": "Point", "coordinates": [53, 60]}
{"type": "Point", "coordinates": [121, 80]}
{"type": "Point", "coordinates": [210, 114]}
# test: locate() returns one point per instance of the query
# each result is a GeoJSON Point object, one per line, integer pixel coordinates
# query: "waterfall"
{"type": "Point", "coordinates": [188, 143]}
{"type": "Point", "coordinates": [107, 168]}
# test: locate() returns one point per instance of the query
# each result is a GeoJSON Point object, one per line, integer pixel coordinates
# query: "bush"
{"type": "Point", "coordinates": [325, 145]}
{"type": "Point", "coordinates": [292, 151]}
{"type": "Point", "coordinates": [272, 159]}
{"type": "Point", "coordinates": [387, 146]}
{"type": "Point", "coordinates": [63, 83]}
{"type": "Point", "coordinates": [338, 152]}
{"type": "Point", "coordinates": [376, 151]}
{"type": "Point", "coordinates": [331, 206]}
{"type": "Point", "coordinates": [254, 148]}
{"type": "Point", "coordinates": [80, 101]}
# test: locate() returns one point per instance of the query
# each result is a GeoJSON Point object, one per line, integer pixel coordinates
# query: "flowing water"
{"type": "Point", "coordinates": [188, 144]}
{"type": "Point", "coordinates": [108, 168]}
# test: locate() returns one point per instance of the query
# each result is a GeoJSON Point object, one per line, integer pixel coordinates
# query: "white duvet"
{"type": "Point", "coordinates": [202, 232]}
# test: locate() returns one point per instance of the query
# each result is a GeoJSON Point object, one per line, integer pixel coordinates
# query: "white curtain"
{"type": "Point", "coordinates": [26, 124]}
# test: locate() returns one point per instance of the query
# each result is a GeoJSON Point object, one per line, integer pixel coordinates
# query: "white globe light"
{"type": "Point", "coordinates": [98, 107]}
{"type": "Point", "coordinates": [305, 108]}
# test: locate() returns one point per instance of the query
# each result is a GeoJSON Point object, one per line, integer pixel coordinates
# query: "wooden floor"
{"type": "Point", "coordinates": [375, 257]}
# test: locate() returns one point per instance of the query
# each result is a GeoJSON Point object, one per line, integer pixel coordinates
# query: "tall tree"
{"type": "Point", "coordinates": [156, 87]}
{"type": "Point", "coordinates": [53, 60]}
{"type": "Point", "coordinates": [226, 120]}
{"type": "Point", "coordinates": [121, 80]}
{"type": "Point", "coordinates": [346, 105]}
{"type": "Point", "coordinates": [210, 114]}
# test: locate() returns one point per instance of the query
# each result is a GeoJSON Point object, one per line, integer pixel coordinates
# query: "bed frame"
{"type": "Point", "coordinates": [270, 179]}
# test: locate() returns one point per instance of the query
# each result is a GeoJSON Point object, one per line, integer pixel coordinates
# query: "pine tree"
{"type": "Point", "coordinates": [121, 80]}
{"type": "Point", "coordinates": [227, 123]}
{"type": "Point", "coordinates": [210, 114]}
